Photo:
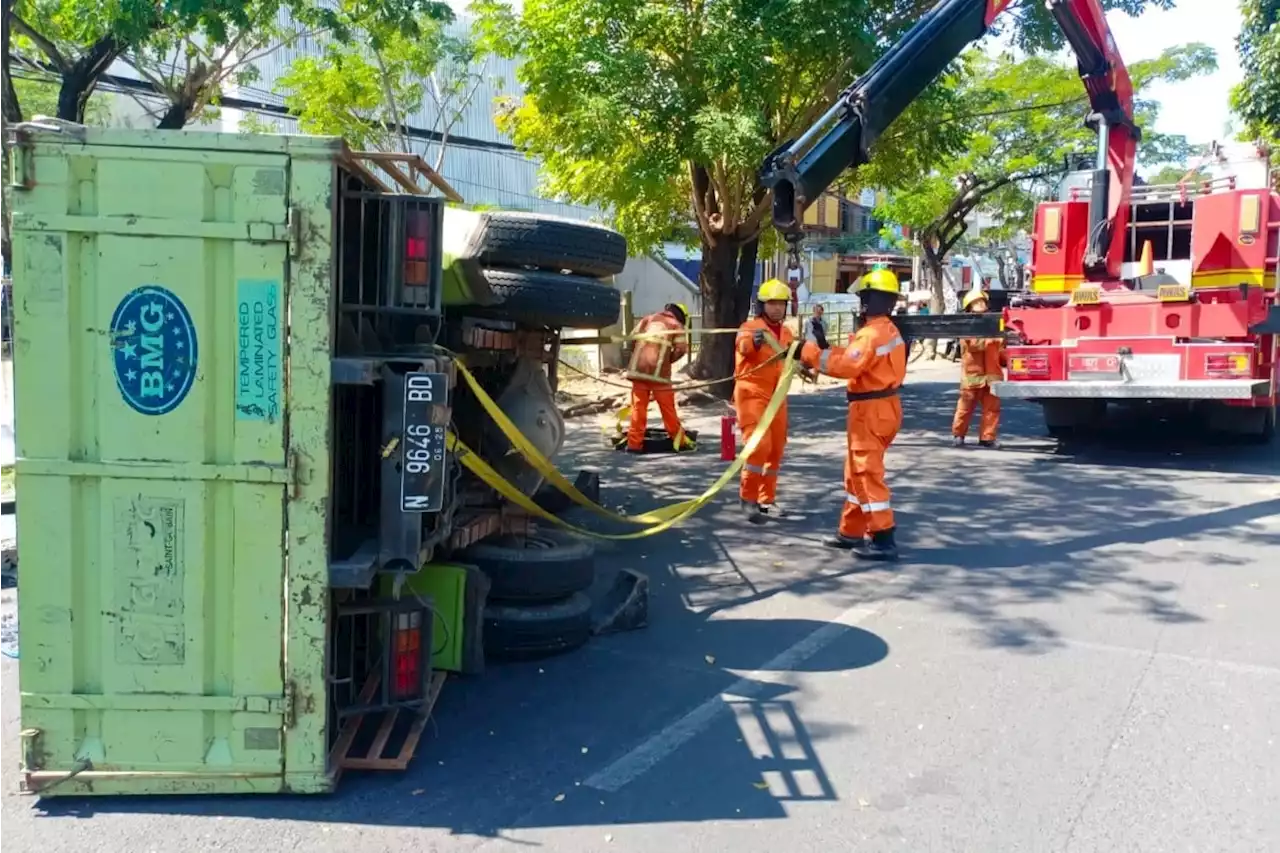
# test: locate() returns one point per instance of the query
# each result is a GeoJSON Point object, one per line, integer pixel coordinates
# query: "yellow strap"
{"type": "Point", "coordinates": [660, 519]}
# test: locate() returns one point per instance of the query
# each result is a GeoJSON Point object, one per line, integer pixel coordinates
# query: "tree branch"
{"type": "Point", "coordinates": [47, 47]}
{"type": "Point", "coordinates": [700, 185]}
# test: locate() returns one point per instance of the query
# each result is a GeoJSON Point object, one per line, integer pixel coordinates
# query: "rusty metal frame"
{"type": "Point", "coordinates": [405, 171]}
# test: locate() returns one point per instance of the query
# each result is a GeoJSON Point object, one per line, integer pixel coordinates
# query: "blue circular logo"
{"type": "Point", "coordinates": [154, 347]}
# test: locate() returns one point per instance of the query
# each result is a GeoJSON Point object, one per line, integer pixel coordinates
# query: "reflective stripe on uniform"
{"type": "Point", "coordinates": [877, 506]}
{"type": "Point", "coordinates": [885, 349]}
{"type": "Point", "coordinates": [851, 498]}
{"type": "Point", "coordinates": [769, 472]}
{"type": "Point", "coordinates": [823, 359]}
{"type": "Point", "coordinates": [754, 469]}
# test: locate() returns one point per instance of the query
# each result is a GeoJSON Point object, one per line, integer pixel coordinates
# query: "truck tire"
{"type": "Point", "coordinates": [544, 566]}
{"type": "Point", "coordinates": [550, 243]}
{"type": "Point", "coordinates": [526, 632]}
{"type": "Point", "coordinates": [550, 299]}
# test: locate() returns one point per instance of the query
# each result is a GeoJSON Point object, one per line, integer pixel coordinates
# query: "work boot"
{"type": "Point", "coordinates": [989, 443]}
{"type": "Point", "coordinates": [751, 510]}
{"type": "Point", "coordinates": [844, 543]}
{"type": "Point", "coordinates": [631, 449]}
{"type": "Point", "coordinates": [957, 441]}
{"type": "Point", "coordinates": [881, 547]}
{"type": "Point", "coordinates": [773, 510]}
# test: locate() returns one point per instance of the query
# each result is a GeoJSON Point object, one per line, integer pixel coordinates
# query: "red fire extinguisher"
{"type": "Point", "coordinates": [728, 438]}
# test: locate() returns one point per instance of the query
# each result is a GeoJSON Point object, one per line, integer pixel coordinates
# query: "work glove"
{"type": "Point", "coordinates": [758, 338]}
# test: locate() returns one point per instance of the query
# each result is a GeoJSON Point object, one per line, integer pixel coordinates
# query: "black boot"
{"type": "Point", "coordinates": [752, 511]}
{"type": "Point", "coordinates": [881, 547]}
{"type": "Point", "coordinates": [844, 543]}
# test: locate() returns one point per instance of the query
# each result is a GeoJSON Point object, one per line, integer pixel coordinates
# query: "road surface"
{"type": "Point", "coordinates": [1078, 652]}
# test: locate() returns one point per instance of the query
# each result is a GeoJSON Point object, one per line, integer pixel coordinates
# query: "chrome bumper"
{"type": "Point", "coordinates": [1208, 389]}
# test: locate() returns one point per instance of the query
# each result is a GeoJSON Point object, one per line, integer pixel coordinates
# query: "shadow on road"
{"type": "Point", "coordinates": [985, 534]}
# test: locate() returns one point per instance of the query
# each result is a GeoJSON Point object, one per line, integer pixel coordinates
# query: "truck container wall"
{"type": "Point", "coordinates": [172, 296]}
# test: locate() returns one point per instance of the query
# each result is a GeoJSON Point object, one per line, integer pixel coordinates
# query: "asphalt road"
{"type": "Point", "coordinates": [1078, 652]}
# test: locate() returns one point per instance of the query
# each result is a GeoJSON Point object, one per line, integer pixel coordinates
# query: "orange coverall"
{"type": "Point", "coordinates": [751, 393]}
{"type": "Point", "coordinates": [650, 362]}
{"type": "Point", "coordinates": [980, 364]}
{"type": "Point", "coordinates": [875, 363]}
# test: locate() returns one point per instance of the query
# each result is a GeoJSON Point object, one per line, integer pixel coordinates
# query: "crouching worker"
{"type": "Point", "coordinates": [981, 360]}
{"type": "Point", "coordinates": [875, 365]}
{"type": "Point", "coordinates": [650, 375]}
{"type": "Point", "coordinates": [759, 352]}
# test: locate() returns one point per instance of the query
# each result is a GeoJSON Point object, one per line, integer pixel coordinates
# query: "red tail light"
{"type": "Point", "coordinates": [1228, 364]}
{"type": "Point", "coordinates": [406, 661]}
{"type": "Point", "coordinates": [1028, 365]}
{"type": "Point", "coordinates": [417, 243]}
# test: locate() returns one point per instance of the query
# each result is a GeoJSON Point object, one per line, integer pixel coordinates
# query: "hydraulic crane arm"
{"type": "Point", "coordinates": [802, 169]}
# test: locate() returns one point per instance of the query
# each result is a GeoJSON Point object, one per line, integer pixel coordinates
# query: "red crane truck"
{"type": "Point", "coordinates": [1093, 329]}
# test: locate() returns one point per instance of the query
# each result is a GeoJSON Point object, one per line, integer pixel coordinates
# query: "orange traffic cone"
{"type": "Point", "coordinates": [1145, 265]}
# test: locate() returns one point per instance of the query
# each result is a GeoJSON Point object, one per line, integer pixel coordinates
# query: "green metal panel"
{"type": "Point", "coordinates": [164, 438]}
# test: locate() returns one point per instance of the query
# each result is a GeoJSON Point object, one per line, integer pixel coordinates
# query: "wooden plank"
{"type": "Point", "coordinates": [384, 734]}
{"type": "Point", "coordinates": [351, 727]}
{"type": "Point", "coordinates": [415, 731]}
{"type": "Point", "coordinates": [373, 759]}
{"type": "Point", "coordinates": [351, 160]}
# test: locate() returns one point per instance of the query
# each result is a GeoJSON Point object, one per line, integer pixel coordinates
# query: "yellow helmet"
{"type": "Point", "coordinates": [973, 296]}
{"type": "Point", "coordinates": [774, 290]}
{"type": "Point", "coordinates": [881, 279]}
{"type": "Point", "coordinates": [684, 309]}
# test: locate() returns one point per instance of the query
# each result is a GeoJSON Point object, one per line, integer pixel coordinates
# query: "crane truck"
{"type": "Point", "coordinates": [1096, 328]}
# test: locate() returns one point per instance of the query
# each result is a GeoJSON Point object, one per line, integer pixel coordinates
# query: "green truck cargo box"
{"type": "Point", "coordinates": [172, 346]}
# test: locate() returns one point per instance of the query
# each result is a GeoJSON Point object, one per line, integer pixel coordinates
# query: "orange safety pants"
{"type": "Point", "coordinates": [760, 473]}
{"type": "Point", "coordinates": [970, 398]}
{"type": "Point", "coordinates": [872, 426]}
{"type": "Point", "coordinates": [641, 392]}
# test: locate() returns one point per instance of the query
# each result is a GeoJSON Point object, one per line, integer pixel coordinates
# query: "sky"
{"type": "Point", "coordinates": [1197, 108]}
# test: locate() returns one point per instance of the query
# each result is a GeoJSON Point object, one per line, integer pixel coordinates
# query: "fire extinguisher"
{"type": "Point", "coordinates": [728, 438]}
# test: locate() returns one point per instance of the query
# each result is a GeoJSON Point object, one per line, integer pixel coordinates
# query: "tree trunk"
{"type": "Point", "coordinates": [79, 82]}
{"type": "Point", "coordinates": [176, 117]}
{"type": "Point", "coordinates": [1002, 269]}
{"type": "Point", "coordinates": [12, 115]}
{"type": "Point", "coordinates": [745, 284]}
{"type": "Point", "coordinates": [718, 283]}
{"type": "Point", "coordinates": [12, 109]}
{"type": "Point", "coordinates": [931, 272]}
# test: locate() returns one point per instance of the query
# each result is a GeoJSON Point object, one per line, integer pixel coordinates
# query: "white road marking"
{"type": "Point", "coordinates": [663, 743]}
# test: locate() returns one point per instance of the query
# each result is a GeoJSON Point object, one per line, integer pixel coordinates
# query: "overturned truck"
{"type": "Point", "coordinates": [238, 372]}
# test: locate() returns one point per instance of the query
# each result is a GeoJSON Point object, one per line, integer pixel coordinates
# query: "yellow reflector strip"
{"type": "Point", "coordinates": [1240, 362]}
{"type": "Point", "coordinates": [1173, 293]}
{"type": "Point", "coordinates": [1250, 215]}
{"type": "Point", "coordinates": [1016, 364]}
{"type": "Point", "coordinates": [1086, 295]}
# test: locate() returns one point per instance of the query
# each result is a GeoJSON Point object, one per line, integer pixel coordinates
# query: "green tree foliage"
{"type": "Point", "coordinates": [1256, 99]}
{"type": "Point", "coordinates": [365, 88]}
{"type": "Point", "coordinates": [1175, 174]}
{"type": "Point", "coordinates": [1022, 120]}
{"type": "Point", "coordinates": [662, 111]}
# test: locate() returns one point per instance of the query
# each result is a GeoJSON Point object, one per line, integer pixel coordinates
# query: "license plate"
{"type": "Point", "coordinates": [1104, 364]}
{"type": "Point", "coordinates": [424, 455]}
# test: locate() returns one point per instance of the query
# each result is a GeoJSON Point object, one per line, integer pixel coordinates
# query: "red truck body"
{"type": "Point", "coordinates": [1199, 327]}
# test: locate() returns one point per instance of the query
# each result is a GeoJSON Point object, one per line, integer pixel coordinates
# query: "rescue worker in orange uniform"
{"type": "Point", "coordinates": [650, 375]}
{"type": "Point", "coordinates": [981, 363]}
{"type": "Point", "coordinates": [875, 365]}
{"type": "Point", "coordinates": [759, 351]}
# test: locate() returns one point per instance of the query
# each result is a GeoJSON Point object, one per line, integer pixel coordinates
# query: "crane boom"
{"type": "Point", "coordinates": [800, 170]}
